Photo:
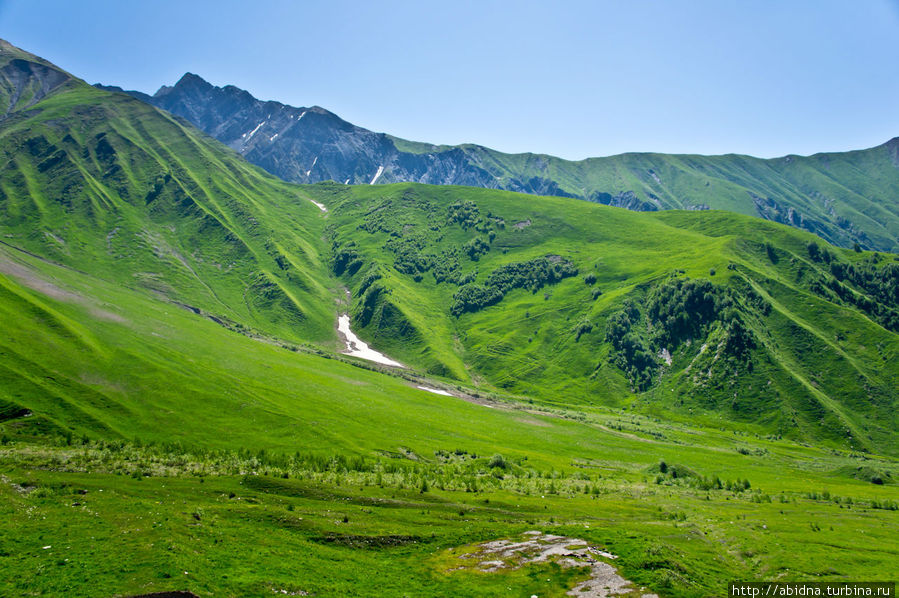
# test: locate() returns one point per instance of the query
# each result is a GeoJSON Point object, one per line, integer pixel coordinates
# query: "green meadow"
{"type": "Point", "coordinates": [707, 396]}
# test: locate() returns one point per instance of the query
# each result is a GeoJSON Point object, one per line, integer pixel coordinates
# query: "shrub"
{"type": "Point", "coordinates": [497, 460]}
{"type": "Point", "coordinates": [582, 328]}
{"type": "Point", "coordinates": [475, 248]}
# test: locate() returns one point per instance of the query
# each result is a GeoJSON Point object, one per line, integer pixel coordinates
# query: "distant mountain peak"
{"type": "Point", "coordinates": [189, 83]}
{"type": "Point", "coordinates": [312, 144]}
{"type": "Point", "coordinates": [26, 79]}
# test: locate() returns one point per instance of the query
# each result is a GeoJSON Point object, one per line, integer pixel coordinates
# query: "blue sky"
{"type": "Point", "coordinates": [573, 79]}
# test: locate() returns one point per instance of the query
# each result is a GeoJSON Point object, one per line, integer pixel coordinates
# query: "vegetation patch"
{"type": "Point", "coordinates": [531, 275]}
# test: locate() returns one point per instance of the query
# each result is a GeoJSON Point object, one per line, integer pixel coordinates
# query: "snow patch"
{"type": "Point", "coordinates": [253, 132]}
{"type": "Point", "coordinates": [436, 391]}
{"type": "Point", "coordinates": [377, 175]}
{"type": "Point", "coordinates": [272, 138]}
{"type": "Point", "coordinates": [319, 205]}
{"type": "Point", "coordinates": [358, 348]}
{"type": "Point", "coordinates": [308, 172]}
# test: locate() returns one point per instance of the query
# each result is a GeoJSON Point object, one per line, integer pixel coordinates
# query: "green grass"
{"type": "Point", "coordinates": [843, 197]}
{"type": "Point", "coordinates": [173, 415]}
{"type": "Point", "coordinates": [108, 185]}
{"type": "Point", "coordinates": [173, 398]}
{"type": "Point", "coordinates": [819, 368]}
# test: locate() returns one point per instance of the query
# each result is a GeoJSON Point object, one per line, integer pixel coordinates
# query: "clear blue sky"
{"type": "Point", "coordinates": [569, 78]}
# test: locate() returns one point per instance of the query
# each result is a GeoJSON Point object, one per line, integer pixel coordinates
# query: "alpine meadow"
{"type": "Point", "coordinates": [589, 400]}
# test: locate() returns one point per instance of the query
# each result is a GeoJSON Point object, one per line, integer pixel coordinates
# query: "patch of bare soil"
{"type": "Point", "coordinates": [537, 547]}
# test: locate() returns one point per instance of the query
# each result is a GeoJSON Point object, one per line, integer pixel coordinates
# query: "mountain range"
{"type": "Point", "coordinates": [845, 198]}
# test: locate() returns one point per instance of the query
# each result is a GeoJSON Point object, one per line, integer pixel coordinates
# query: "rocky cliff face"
{"type": "Point", "coordinates": [307, 145]}
{"type": "Point", "coordinates": [845, 198]}
{"type": "Point", "coordinates": [25, 79]}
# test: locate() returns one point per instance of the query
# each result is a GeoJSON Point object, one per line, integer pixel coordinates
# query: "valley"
{"type": "Point", "coordinates": [692, 397]}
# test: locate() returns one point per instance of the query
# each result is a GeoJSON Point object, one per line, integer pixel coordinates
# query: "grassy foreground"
{"type": "Point", "coordinates": [284, 470]}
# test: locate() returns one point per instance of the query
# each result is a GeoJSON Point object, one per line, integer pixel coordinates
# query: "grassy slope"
{"type": "Point", "coordinates": [843, 197]}
{"type": "Point", "coordinates": [820, 368]}
{"type": "Point", "coordinates": [113, 363]}
{"type": "Point", "coordinates": [108, 185]}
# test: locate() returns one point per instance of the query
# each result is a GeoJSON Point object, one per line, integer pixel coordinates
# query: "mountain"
{"type": "Point", "coordinates": [678, 399]}
{"type": "Point", "coordinates": [845, 198]}
{"type": "Point", "coordinates": [555, 299]}
{"type": "Point", "coordinates": [691, 314]}
{"type": "Point", "coordinates": [109, 185]}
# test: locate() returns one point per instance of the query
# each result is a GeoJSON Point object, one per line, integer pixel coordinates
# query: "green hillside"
{"type": "Point", "coordinates": [174, 415]}
{"type": "Point", "coordinates": [845, 197]}
{"type": "Point", "coordinates": [105, 184]}
{"type": "Point", "coordinates": [694, 315]}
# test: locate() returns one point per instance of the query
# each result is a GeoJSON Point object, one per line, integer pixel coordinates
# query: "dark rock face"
{"type": "Point", "coordinates": [25, 83]}
{"type": "Point", "coordinates": [624, 199]}
{"type": "Point", "coordinates": [308, 145]}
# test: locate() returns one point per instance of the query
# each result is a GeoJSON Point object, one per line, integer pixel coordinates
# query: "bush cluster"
{"type": "Point", "coordinates": [532, 275]}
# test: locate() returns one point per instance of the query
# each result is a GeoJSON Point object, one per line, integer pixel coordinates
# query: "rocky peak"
{"type": "Point", "coordinates": [25, 79]}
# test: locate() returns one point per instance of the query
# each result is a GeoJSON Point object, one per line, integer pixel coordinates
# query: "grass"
{"type": "Point", "coordinates": [813, 371]}
{"type": "Point", "coordinates": [195, 434]}
{"type": "Point", "coordinates": [173, 415]}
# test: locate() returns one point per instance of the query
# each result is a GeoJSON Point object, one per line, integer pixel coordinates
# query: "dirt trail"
{"type": "Point", "coordinates": [537, 547]}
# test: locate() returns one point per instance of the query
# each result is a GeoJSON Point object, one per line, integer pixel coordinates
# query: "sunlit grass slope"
{"type": "Point", "coordinates": [697, 315]}
{"type": "Point", "coordinates": [844, 197]}
{"type": "Point", "coordinates": [148, 448]}
{"type": "Point", "coordinates": [108, 185]}
{"type": "Point", "coordinates": [173, 417]}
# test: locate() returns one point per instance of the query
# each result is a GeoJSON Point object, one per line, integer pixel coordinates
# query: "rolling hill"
{"type": "Point", "coordinates": [694, 315]}
{"type": "Point", "coordinates": [695, 396]}
{"type": "Point", "coordinates": [845, 198]}
{"type": "Point", "coordinates": [689, 314]}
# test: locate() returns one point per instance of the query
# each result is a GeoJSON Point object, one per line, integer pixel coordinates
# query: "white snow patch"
{"type": "Point", "coordinates": [436, 391]}
{"type": "Point", "coordinates": [320, 206]}
{"type": "Point", "coordinates": [377, 175]}
{"type": "Point", "coordinates": [346, 182]}
{"type": "Point", "coordinates": [272, 138]}
{"type": "Point", "coordinates": [253, 132]}
{"type": "Point", "coordinates": [358, 348]}
{"type": "Point", "coordinates": [308, 172]}
{"type": "Point", "coordinates": [301, 116]}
